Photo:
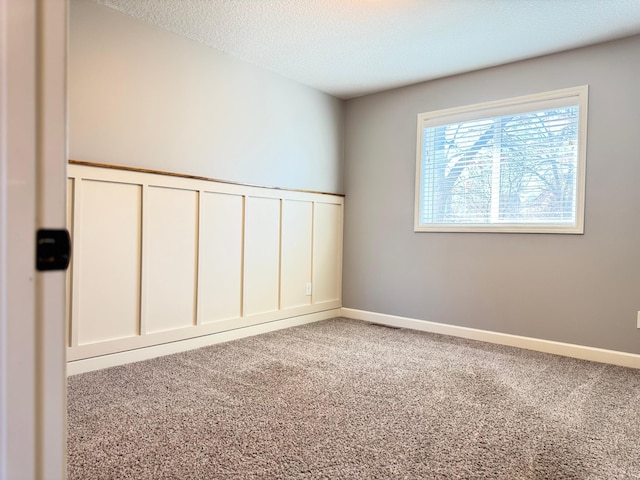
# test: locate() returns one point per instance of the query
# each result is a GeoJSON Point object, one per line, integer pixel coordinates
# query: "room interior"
{"type": "Point", "coordinates": [314, 185]}
{"type": "Point", "coordinates": [202, 113]}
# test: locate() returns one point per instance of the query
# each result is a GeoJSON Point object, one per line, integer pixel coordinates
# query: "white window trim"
{"type": "Point", "coordinates": [574, 95]}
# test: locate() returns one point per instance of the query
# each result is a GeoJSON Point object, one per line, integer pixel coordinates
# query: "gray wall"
{"type": "Point", "coordinates": [143, 97]}
{"type": "Point", "coordinates": [582, 289]}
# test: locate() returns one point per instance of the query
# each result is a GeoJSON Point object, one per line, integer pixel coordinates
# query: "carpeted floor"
{"type": "Point", "coordinates": [346, 399]}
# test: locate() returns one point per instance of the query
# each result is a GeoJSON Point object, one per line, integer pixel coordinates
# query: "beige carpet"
{"type": "Point", "coordinates": [345, 399]}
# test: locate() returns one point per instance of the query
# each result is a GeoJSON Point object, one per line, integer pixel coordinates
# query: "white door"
{"type": "Point", "coordinates": [32, 196]}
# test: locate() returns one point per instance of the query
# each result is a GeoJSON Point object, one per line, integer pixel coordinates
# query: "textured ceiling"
{"type": "Point", "coordinates": [352, 47]}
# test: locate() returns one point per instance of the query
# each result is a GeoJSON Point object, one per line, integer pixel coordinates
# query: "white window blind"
{"type": "Point", "coordinates": [515, 165]}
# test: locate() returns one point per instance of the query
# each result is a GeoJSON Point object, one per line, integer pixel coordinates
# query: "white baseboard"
{"type": "Point", "coordinates": [558, 348]}
{"type": "Point", "coordinates": [139, 354]}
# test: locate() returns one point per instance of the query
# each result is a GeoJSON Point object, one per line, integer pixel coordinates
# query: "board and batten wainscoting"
{"type": "Point", "coordinates": [164, 262]}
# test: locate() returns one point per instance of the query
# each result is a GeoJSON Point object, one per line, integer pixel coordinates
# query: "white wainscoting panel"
{"type": "Point", "coordinates": [297, 249]}
{"type": "Point", "coordinates": [109, 271]}
{"type": "Point", "coordinates": [69, 288]}
{"type": "Point", "coordinates": [170, 259]}
{"type": "Point", "coordinates": [261, 255]}
{"type": "Point", "coordinates": [327, 259]}
{"type": "Point", "coordinates": [163, 258]}
{"type": "Point", "coordinates": [220, 258]}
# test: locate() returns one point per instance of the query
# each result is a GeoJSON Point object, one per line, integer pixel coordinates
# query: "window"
{"type": "Point", "coordinates": [515, 165]}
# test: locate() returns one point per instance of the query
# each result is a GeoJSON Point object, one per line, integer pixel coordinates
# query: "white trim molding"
{"type": "Point", "coordinates": [139, 354]}
{"type": "Point", "coordinates": [593, 354]}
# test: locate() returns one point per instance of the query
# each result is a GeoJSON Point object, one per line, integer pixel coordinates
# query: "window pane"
{"type": "Point", "coordinates": [538, 166]}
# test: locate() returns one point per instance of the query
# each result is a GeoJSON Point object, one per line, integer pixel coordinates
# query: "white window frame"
{"type": "Point", "coordinates": [541, 101]}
